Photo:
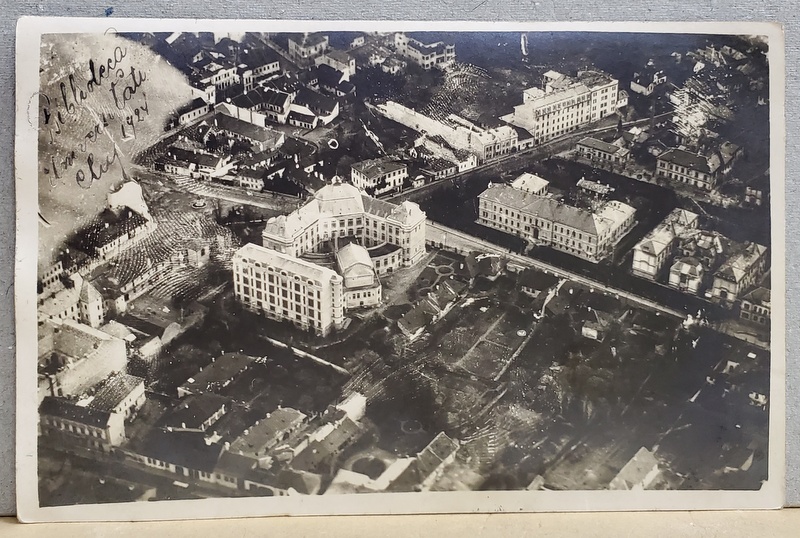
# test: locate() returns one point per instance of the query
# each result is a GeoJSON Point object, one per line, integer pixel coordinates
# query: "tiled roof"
{"type": "Point", "coordinates": [115, 389]}
{"type": "Point", "coordinates": [375, 168]}
{"type": "Point", "coordinates": [600, 145]}
{"type": "Point", "coordinates": [107, 227]}
{"type": "Point", "coordinates": [223, 369]}
{"type": "Point", "coordinates": [267, 432]}
{"type": "Point", "coordinates": [243, 128]}
{"type": "Point", "coordinates": [687, 159]}
{"type": "Point", "coordinates": [62, 408]}
{"type": "Point", "coordinates": [184, 449]}
{"type": "Point", "coordinates": [193, 410]}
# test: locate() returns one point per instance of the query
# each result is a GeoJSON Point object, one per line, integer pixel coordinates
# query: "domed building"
{"type": "Point", "coordinates": [341, 231]}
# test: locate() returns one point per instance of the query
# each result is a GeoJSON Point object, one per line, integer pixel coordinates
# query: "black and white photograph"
{"type": "Point", "coordinates": [320, 265]}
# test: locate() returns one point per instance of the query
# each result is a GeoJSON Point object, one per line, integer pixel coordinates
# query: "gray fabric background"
{"type": "Point", "coordinates": [484, 10]}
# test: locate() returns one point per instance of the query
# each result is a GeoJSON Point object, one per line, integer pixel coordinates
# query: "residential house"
{"type": "Point", "coordinates": [379, 176]}
{"type": "Point", "coordinates": [531, 183]}
{"type": "Point", "coordinates": [306, 47]}
{"type": "Point", "coordinates": [74, 357]}
{"type": "Point", "coordinates": [739, 273]}
{"type": "Point", "coordinates": [602, 152]}
{"type": "Point", "coordinates": [120, 393]}
{"type": "Point", "coordinates": [657, 247]}
{"type": "Point", "coordinates": [756, 306]}
{"type": "Point", "coordinates": [437, 55]}
{"type": "Point", "coordinates": [687, 274]}
{"type": "Point", "coordinates": [338, 60]}
{"type": "Point", "coordinates": [192, 111]}
{"type": "Point", "coordinates": [222, 371]}
{"type": "Point", "coordinates": [195, 413]}
{"type": "Point", "coordinates": [72, 427]}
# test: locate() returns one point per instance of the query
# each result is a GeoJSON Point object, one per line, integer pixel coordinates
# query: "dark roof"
{"type": "Point", "coordinates": [317, 102]}
{"type": "Point", "coordinates": [328, 76]}
{"type": "Point", "coordinates": [438, 165]}
{"type": "Point", "coordinates": [194, 105]}
{"type": "Point", "coordinates": [375, 168]}
{"type": "Point", "coordinates": [199, 158]}
{"type": "Point", "coordinates": [186, 449]}
{"type": "Point", "coordinates": [685, 158]}
{"type": "Point", "coordinates": [107, 227]}
{"type": "Point", "coordinates": [192, 411]}
{"type": "Point", "coordinates": [259, 56]}
{"type": "Point", "coordinates": [346, 87]}
{"type": "Point", "coordinates": [233, 464]}
{"type": "Point", "coordinates": [599, 145]}
{"type": "Point", "coordinates": [222, 369]}
{"type": "Point", "coordinates": [243, 128]}
{"type": "Point", "coordinates": [308, 40]}
{"type": "Point", "coordinates": [61, 407]}
{"type": "Point", "coordinates": [115, 389]}
{"type": "Point", "coordinates": [299, 116]}
{"type": "Point", "coordinates": [318, 451]}
{"type": "Point", "coordinates": [301, 481]}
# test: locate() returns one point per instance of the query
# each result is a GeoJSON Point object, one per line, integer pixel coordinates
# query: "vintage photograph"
{"type": "Point", "coordinates": [337, 262]}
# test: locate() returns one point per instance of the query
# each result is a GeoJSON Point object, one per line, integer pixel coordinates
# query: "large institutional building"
{"type": "Point", "coordinates": [565, 104]}
{"type": "Point", "coordinates": [543, 220]}
{"type": "Point", "coordinates": [326, 257]}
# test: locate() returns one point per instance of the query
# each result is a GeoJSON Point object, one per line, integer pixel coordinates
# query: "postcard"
{"type": "Point", "coordinates": [349, 267]}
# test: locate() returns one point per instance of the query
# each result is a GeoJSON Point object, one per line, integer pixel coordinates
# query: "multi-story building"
{"type": "Point", "coordinates": [120, 393]}
{"type": "Point", "coordinates": [566, 104]}
{"type": "Point", "coordinates": [687, 274]}
{"type": "Point", "coordinates": [74, 357]}
{"type": "Point", "coordinates": [656, 248]}
{"type": "Point", "coordinates": [439, 55]}
{"type": "Point", "coordinates": [338, 60]}
{"type": "Point", "coordinates": [71, 426]}
{"type": "Point", "coordinates": [531, 183]}
{"type": "Point", "coordinates": [541, 220]}
{"type": "Point", "coordinates": [459, 133]}
{"type": "Point", "coordinates": [756, 306]}
{"type": "Point", "coordinates": [290, 277]}
{"type": "Point", "coordinates": [701, 170]}
{"type": "Point", "coordinates": [283, 287]}
{"type": "Point", "coordinates": [686, 167]}
{"type": "Point", "coordinates": [378, 175]}
{"type": "Point", "coordinates": [602, 152]}
{"type": "Point", "coordinates": [739, 273]}
{"type": "Point", "coordinates": [307, 46]}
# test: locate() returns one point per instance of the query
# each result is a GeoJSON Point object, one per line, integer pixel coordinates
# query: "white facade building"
{"type": "Point", "coordinates": [566, 104]}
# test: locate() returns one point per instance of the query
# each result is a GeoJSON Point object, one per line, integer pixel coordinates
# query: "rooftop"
{"type": "Point", "coordinates": [193, 410]}
{"type": "Point", "coordinates": [239, 127]}
{"type": "Point", "coordinates": [62, 408]}
{"type": "Point", "coordinates": [530, 182]}
{"type": "Point", "coordinates": [221, 370]}
{"type": "Point", "coordinates": [600, 145]}
{"type": "Point", "coordinates": [610, 215]}
{"type": "Point", "coordinates": [375, 168]}
{"type": "Point", "coordinates": [267, 432]}
{"type": "Point", "coordinates": [282, 261]}
{"type": "Point", "coordinates": [114, 390]}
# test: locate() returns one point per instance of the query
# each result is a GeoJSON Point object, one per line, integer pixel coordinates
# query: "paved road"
{"type": "Point", "coordinates": [464, 243]}
{"type": "Point", "coordinates": [280, 203]}
{"type": "Point", "coordinates": [512, 160]}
